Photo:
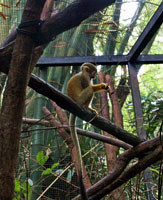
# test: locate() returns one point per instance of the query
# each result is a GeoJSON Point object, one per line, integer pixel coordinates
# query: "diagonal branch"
{"type": "Point", "coordinates": [68, 18]}
{"type": "Point", "coordinates": [141, 165]}
{"type": "Point", "coordinates": [81, 132]}
{"type": "Point", "coordinates": [117, 177]}
{"type": "Point", "coordinates": [66, 103]}
{"type": "Point", "coordinates": [72, 16]}
{"type": "Point", "coordinates": [64, 121]}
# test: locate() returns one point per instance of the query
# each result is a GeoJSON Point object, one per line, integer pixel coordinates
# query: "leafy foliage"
{"type": "Point", "coordinates": [22, 190]}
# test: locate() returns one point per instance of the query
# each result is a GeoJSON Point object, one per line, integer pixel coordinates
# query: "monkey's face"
{"type": "Point", "coordinates": [89, 71]}
{"type": "Point", "coordinates": [92, 74]}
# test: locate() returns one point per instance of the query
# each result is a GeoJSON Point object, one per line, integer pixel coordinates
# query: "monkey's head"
{"type": "Point", "coordinates": [89, 69]}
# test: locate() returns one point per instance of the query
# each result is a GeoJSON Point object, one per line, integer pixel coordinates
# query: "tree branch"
{"type": "Point", "coordinates": [66, 103]}
{"type": "Point", "coordinates": [82, 132]}
{"type": "Point", "coordinates": [63, 119]}
{"type": "Point", "coordinates": [13, 101]}
{"type": "Point", "coordinates": [70, 17]}
{"type": "Point", "coordinates": [36, 122]}
{"type": "Point", "coordinates": [141, 165]}
{"type": "Point", "coordinates": [117, 177]}
{"type": "Point", "coordinates": [104, 138]}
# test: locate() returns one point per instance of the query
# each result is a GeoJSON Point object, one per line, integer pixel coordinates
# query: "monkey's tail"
{"type": "Point", "coordinates": [72, 122]}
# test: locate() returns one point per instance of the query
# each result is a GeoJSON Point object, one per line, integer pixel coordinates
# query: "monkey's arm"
{"type": "Point", "coordinates": [99, 87]}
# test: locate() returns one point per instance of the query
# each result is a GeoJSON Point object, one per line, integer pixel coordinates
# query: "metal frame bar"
{"type": "Point", "coordinates": [149, 31]}
{"type": "Point", "coordinates": [99, 60]}
{"type": "Point", "coordinates": [136, 101]}
{"type": "Point", "coordinates": [76, 61]}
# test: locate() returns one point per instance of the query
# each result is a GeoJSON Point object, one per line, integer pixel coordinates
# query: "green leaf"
{"type": "Point", "coordinates": [54, 165]}
{"type": "Point", "coordinates": [29, 195]}
{"type": "Point", "coordinates": [17, 197]}
{"type": "Point", "coordinates": [155, 170]}
{"type": "Point", "coordinates": [41, 158]}
{"type": "Point", "coordinates": [47, 171]}
{"type": "Point", "coordinates": [17, 185]}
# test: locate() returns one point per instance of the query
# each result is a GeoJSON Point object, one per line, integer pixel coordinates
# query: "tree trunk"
{"type": "Point", "coordinates": [111, 150]}
{"type": "Point", "coordinates": [13, 102]}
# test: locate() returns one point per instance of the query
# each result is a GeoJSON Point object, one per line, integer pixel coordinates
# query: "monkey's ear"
{"type": "Point", "coordinates": [86, 68]}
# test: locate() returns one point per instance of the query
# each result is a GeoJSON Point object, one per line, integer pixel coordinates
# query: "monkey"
{"type": "Point", "coordinates": [81, 90]}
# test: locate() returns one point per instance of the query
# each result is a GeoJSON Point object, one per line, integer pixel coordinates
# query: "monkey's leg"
{"type": "Point", "coordinates": [85, 96]}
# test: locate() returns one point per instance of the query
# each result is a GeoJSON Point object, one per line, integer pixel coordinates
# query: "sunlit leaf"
{"type": "Point", "coordinates": [47, 171]}
{"type": "Point", "coordinates": [41, 158]}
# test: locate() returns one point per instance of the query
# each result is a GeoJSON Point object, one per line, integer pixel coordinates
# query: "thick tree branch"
{"type": "Point", "coordinates": [117, 177]}
{"type": "Point", "coordinates": [141, 165]}
{"type": "Point", "coordinates": [72, 16]}
{"type": "Point", "coordinates": [152, 151]}
{"type": "Point", "coordinates": [103, 138]}
{"type": "Point", "coordinates": [66, 103]}
{"type": "Point", "coordinates": [81, 132]}
{"type": "Point", "coordinates": [13, 102]}
{"type": "Point", "coordinates": [36, 122]}
{"type": "Point", "coordinates": [69, 18]}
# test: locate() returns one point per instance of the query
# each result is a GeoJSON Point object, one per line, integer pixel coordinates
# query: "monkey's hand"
{"type": "Point", "coordinates": [99, 87]}
{"type": "Point", "coordinates": [104, 86]}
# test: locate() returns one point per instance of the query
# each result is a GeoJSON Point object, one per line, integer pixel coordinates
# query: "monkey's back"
{"type": "Point", "coordinates": [76, 85]}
